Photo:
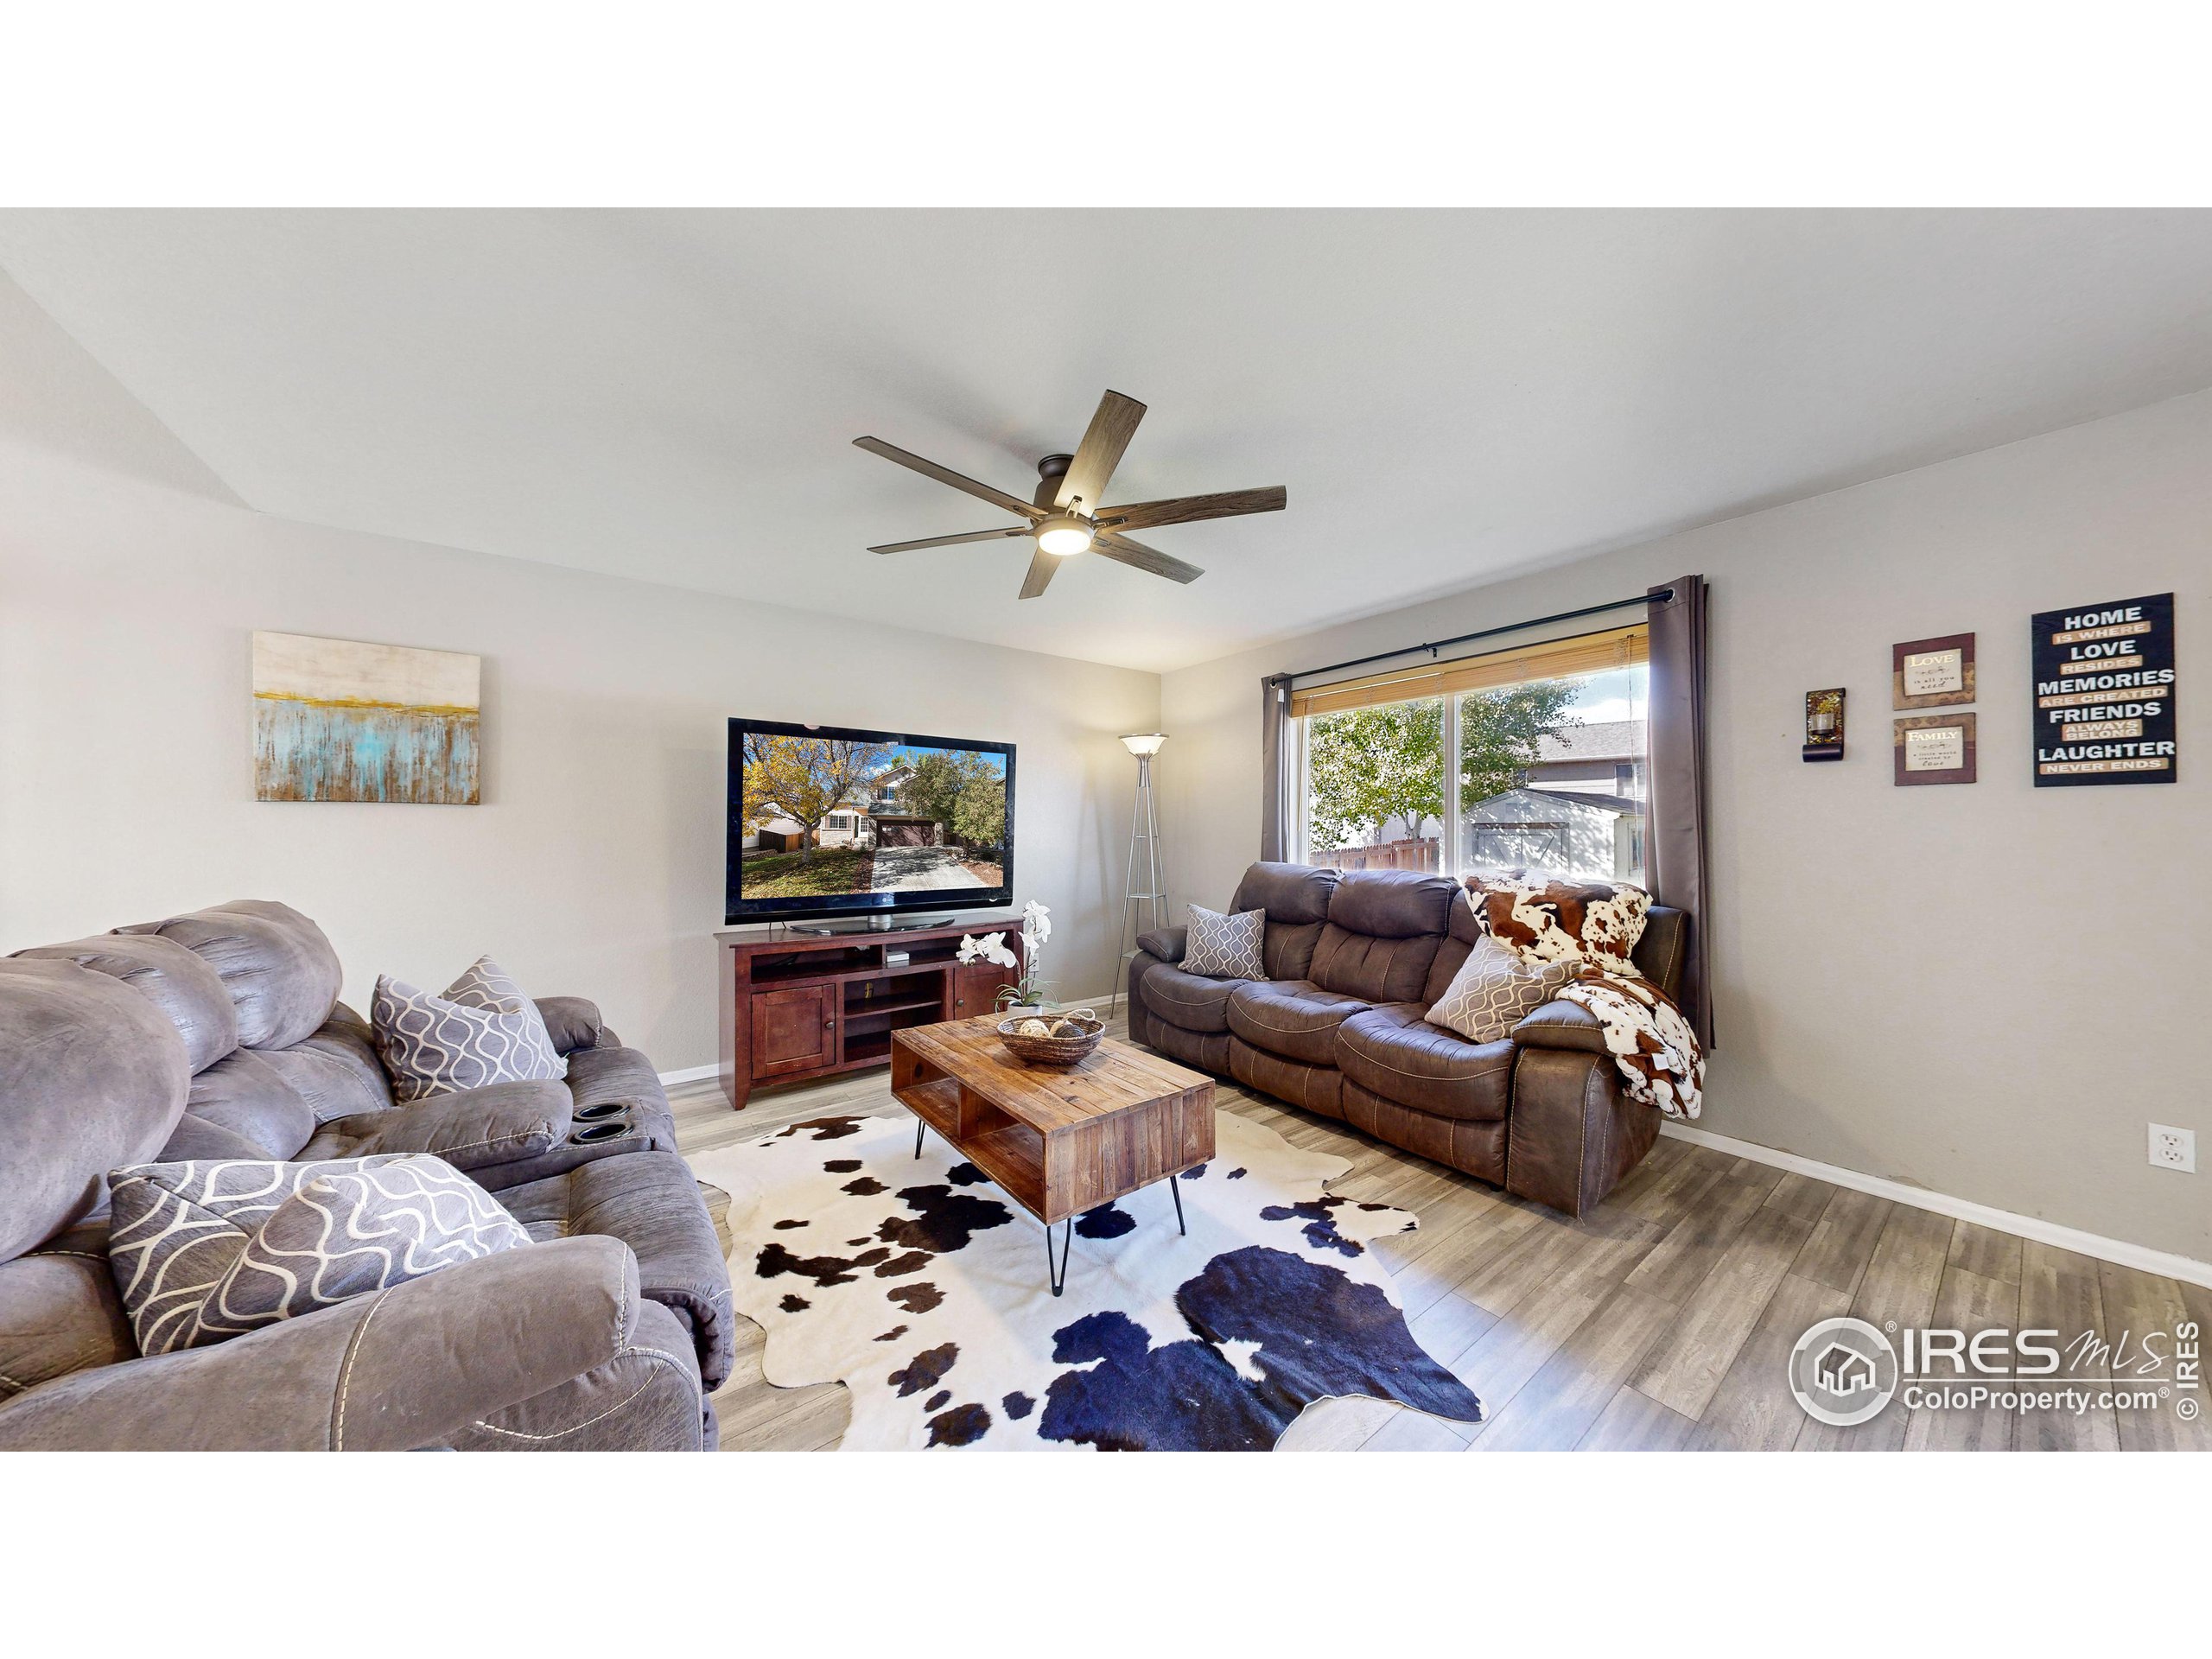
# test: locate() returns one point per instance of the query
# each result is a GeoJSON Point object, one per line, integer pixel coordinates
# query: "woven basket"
{"type": "Point", "coordinates": [1053, 1050]}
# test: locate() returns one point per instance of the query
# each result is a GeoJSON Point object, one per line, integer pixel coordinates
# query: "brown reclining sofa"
{"type": "Point", "coordinates": [220, 1035]}
{"type": "Point", "coordinates": [1354, 959]}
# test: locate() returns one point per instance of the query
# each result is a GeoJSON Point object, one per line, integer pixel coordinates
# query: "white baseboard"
{"type": "Point", "coordinates": [2160, 1262]}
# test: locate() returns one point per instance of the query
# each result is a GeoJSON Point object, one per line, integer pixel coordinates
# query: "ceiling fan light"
{"type": "Point", "coordinates": [1063, 534]}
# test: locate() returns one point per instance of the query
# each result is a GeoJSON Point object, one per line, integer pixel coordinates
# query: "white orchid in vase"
{"type": "Point", "coordinates": [1030, 990]}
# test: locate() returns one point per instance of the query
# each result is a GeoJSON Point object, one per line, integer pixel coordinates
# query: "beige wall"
{"type": "Point", "coordinates": [1987, 990]}
{"type": "Point", "coordinates": [128, 591]}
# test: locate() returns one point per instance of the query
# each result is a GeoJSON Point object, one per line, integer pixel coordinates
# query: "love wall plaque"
{"type": "Point", "coordinates": [2105, 694]}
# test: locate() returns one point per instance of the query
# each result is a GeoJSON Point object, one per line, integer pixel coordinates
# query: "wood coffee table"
{"type": "Point", "coordinates": [1056, 1141]}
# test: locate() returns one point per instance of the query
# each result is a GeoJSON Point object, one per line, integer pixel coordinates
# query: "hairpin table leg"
{"type": "Point", "coordinates": [1058, 1275]}
{"type": "Point", "coordinates": [1174, 1185]}
{"type": "Point", "coordinates": [918, 1127]}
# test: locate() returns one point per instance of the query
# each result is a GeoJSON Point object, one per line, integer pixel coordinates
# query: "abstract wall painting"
{"type": "Point", "coordinates": [335, 719]}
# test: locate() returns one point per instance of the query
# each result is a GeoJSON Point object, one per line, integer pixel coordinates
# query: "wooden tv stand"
{"type": "Point", "coordinates": [806, 1005]}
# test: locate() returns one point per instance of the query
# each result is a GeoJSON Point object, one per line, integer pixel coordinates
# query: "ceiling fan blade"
{"type": "Point", "coordinates": [1227, 504]}
{"type": "Point", "coordinates": [1122, 549]}
{"type": "Point", "coordinates": [945, 475]}
{"type": "Point", "coordinates": [1041, 566]}
{"type": "Point", "coordinates": [1100, 452]}
{"type": "Point", "coordinates": [952, 541]}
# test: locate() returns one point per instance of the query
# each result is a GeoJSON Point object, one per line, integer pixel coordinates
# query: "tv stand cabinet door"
{"type": "Point", "coordinates": [975, 989]}
{"type": "Point", "coordinates": [794, 1030]}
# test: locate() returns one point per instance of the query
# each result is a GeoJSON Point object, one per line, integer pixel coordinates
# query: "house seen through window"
{"type": "Point", "coordinates": [1545, 772]}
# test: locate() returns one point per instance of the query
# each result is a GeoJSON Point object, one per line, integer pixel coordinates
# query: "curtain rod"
{"type": "Point", "coordinates": [1658, 596]}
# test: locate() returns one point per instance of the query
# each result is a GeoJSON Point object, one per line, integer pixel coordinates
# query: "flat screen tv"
{"type": "Point", "coordinates": [833, 821]}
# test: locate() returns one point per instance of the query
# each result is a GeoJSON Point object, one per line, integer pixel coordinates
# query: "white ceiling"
{"type": "Point", "coordinates": [1448, 394]}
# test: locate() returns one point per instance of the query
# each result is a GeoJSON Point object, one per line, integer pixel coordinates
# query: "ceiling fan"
{"type": "Point", "coordinates": [1065, 517]}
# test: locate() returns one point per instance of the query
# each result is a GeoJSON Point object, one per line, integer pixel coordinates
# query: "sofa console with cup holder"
{"type": "Point", "coordinates": [218, 1035]}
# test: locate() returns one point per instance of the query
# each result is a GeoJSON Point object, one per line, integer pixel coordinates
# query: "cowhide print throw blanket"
{"type": "Point", "coordinates": [923, 1289]}
{"type": "Point", "coordinates": [1659, 1059]}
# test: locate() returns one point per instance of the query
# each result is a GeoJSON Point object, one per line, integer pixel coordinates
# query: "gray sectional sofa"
{"type": "Point", "coordinates": [219, 1034]}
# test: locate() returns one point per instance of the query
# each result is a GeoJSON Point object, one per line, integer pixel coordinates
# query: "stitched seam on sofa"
{"type": "Point", "coordinates": [346, 1373]}
{"type": "Point", "coordinates": [657, 1354]}
{"type": "Point", "coordinates": [1295, 1031]}
{"type": "Point", "coordinates": [18, 1387]}
{"type": "Point", "coordinates": [82, 1256]}
{"type": "Point", "coordinates": [1432, 1076]}
{"type": "Point", "coordinates": [1582, 1160]}
{"type": "Point", "coordinates": [1607, 1128]}
{"type": "Point", "coordinates": [1190, 1003]}
{"type": "Point", "coordinates": [494, 1141]}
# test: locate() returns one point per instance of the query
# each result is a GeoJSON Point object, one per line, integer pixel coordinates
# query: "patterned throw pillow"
{"type": "Point", "coordinates": [482, 1030]}
{"type": "Point", "coordinates": [208, 1250]}
{"type": "Point", "coordinates": [1596, 922]}
{"type": "Point", "coordinates": [1494, 990]}
{"type": "Point", "coordinates": [1225, 947]}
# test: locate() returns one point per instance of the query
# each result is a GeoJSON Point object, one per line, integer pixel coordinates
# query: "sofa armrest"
{"type": "Point", "coordinates": [573, 1022]}
{"type": "Point", "coordinates": [408, 1367]}
{"type": "Point", "coordinates": [1167, 943]}
{"type": "Point", "coordinates": [1572, 1133]}
{"type": "Point", "coordinates": [470, 1128]}
{"type": "Point", "coordinates": [1561, 1025]}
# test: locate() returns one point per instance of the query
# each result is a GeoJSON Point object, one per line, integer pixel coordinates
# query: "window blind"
{"type": "Point", "coordinates": [1587, 653]}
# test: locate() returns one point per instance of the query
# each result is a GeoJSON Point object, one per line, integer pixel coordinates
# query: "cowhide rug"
{"type": "Point", "coordinates": [921, 1287]}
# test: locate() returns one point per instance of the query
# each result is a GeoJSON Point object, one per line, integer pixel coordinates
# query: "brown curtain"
{"type": "Point", "coordinates": [1275, 837]}
{"type": "Point", "coordinates": [1676, 847]}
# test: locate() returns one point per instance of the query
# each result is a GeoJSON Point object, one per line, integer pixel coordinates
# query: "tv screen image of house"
{"type": "Point", "coordinates": [824, 819]}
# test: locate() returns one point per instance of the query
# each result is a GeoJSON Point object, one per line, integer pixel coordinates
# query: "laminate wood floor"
{"type": "Point", "coordinates": [1662, 1321]}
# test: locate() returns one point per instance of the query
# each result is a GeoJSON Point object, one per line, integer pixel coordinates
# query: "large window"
{"type": "Point", "coordinates": [1540, 751]}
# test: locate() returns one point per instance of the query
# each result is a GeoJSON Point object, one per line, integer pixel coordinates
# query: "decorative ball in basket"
{"type": "Point", "coordinates": [1051, 1038]}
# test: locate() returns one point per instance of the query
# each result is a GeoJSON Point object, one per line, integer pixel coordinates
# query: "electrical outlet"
{"type": "Point", "coordinates": [2173, 1149]}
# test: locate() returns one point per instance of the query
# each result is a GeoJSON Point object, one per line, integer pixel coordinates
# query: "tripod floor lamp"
{"type": "Point", "coordinates": [1146, 882]}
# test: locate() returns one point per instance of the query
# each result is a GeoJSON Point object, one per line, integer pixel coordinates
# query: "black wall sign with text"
{"type": "Point", "coordinates": [2105, 694]}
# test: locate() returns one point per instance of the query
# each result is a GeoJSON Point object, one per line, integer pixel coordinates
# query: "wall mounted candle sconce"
{"type": "Point", "coordinates": [1824, 725]}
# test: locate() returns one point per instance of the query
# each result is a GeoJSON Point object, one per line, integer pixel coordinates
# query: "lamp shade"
{"type": "Point", "coordinates": [1144, 742]}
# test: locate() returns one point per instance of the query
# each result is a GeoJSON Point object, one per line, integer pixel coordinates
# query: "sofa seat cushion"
{"type": "Point", "coordinates": [651, 1202]}
{"type": "Point", "coordinates": [1393, 1052]}
{"type": "Point", "coordinates": [1294, 1019]}
{"type": "Point", "coordinates": [1189, 1001]}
